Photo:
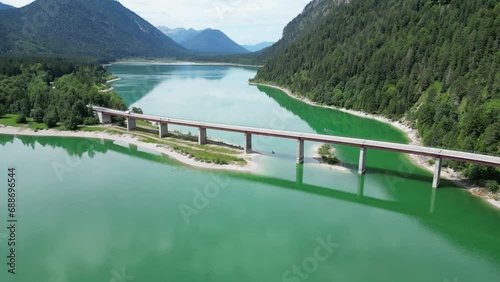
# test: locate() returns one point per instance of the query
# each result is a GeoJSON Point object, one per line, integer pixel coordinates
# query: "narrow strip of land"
{"type": "Point", "coordinates": [179, 150]}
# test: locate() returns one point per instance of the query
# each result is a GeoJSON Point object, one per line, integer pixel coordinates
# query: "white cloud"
{"type": "Point", "coordinates": [246, 22]}
{"type": "Point", "coordinates": [16, 3]}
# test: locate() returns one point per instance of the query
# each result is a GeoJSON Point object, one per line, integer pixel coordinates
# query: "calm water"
{"type": "Point", "coordinates": [92, 210]}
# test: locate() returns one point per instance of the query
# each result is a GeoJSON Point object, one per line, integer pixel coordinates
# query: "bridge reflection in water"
{"type": "Point", "coordinates": [439, 214]}
{"type": "Point", "coordinates": [357, 197]}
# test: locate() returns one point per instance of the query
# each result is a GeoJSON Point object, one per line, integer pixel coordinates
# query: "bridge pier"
{"type": "Point", "coordinates": [437, 173]}
{"type": "Point", "coordinates": [131, 124]}
{"type": "Point", "coordinates": [362, 161]}
{"type": "Point", "coordinates": [202, 136]}
{"type": "Point", "coordinates": [248, 143]}
{"type": "Point", "coordinates": [103, 118]}
{"type": "Point", "coordinates": [163, 127]}
{"type": "Point", "coordinates": [300, 151]}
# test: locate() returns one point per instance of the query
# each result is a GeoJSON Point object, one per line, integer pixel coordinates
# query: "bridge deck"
{"type": "Point", "coordinates": [362, 143]}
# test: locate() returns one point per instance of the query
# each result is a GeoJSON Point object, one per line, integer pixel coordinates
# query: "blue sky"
{"type": "Point", "coordinates": [246, 22]}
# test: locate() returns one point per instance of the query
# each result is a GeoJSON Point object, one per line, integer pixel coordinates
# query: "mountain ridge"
{"type": "Point", "coordinates": [6, 6]}
{"type": "Point", "coordinates": [315, 13]}
{"type": "Point", "coordinates": [179, 34]}
{"type": "Point", "coordinates": [82, 28]}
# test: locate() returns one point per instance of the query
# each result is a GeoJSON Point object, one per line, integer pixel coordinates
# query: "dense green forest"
{"type": "Point", "coordinates": [54, 91]}
{"type": "Point", "coordinates": [434, 63]}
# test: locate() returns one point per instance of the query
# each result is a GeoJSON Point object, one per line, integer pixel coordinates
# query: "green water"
{"type": "Point", "coordinates": [92, 210]}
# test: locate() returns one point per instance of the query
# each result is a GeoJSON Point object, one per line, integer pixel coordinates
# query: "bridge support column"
{"type": "Point", "coordinates": [362, 161]}
{"type": "Point", "coordinates": [300, 151]}
{"type": "Point", "coordinates": [131, 124]}
{"type": "Point", "coordinates": [437, 172]}
{"type": "Point", "coordinates": [103, 118]}
{"type": "Point", "coordinates": [163, 127]}
{"type": "Point", "coordinates": [248, 143]}
{"type": "Point", "coordinates": [202, 136]}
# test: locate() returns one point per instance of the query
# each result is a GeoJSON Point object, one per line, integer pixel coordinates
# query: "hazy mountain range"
{"type": "Point", "coordinates": [96, 28]}
{"type": "Point", "coordinates": [204, 41]}
{"type": "Point", "coordinates": [258, 47]}
{"type": "Point", "coordinates": [103, 29]}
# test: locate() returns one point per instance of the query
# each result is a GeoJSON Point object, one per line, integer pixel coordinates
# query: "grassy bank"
{"type": "Point", "coordinates": [11, 120]}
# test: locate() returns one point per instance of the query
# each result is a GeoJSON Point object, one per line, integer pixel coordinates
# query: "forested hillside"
{"type": "Point", "coordinates": [54, 91]}
{"type": "Point", "coordinates": [435, 63]}
{"type": "Point", "coordinates": [93, 28]}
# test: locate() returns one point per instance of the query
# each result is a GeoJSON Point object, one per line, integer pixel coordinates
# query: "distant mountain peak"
{"type": "Point", "coordinates": [178, 34]}
{"type": "Point", "coordinates": [208, 40]}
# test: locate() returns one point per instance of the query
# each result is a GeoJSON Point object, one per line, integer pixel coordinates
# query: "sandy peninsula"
{"type": "Point", "coordinates": [251, 165]}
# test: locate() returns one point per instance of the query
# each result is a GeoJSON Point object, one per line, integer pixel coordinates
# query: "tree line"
{"type": "Point", "coordinates": [54, 91]}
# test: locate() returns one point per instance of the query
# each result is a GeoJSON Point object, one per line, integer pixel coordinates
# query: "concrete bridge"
{"type": "Point", "coordinates": [104, 115]}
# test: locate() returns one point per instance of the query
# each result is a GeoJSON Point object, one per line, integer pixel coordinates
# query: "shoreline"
{"type": "Point", "coordinates": [134, 140]}
{"type": "Point", "coordinates": [447, 173]}
{"type": "Point", "coordinates": [187, 63]}
{"type": "Point", "coordinates": [113, 80]}
{"type": "Point", "coordinates": [106, 90]}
